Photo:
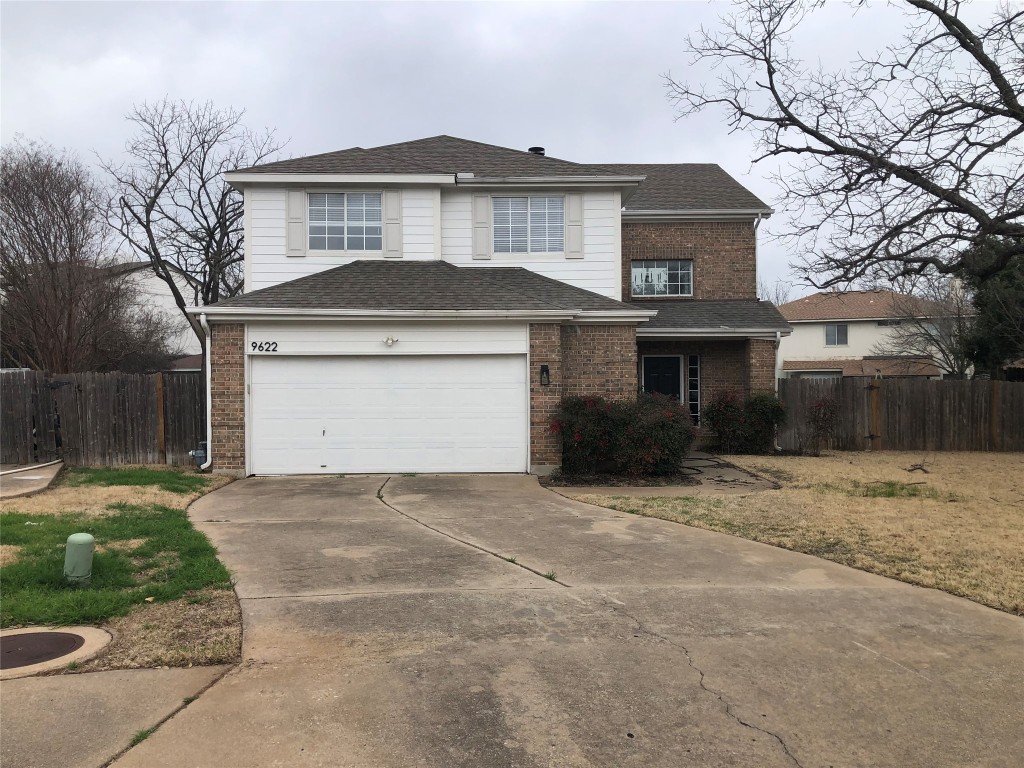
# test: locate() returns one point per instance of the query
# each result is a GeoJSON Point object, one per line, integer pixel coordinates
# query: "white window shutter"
{"type": "Point", "coordinates": [482, 245]}
{"type": "Point", "coordinates": [574, 225]}
{"type": "Point", "coordinates": [296, 222]}
{"type": "Point", "coordinates": [393, 223]}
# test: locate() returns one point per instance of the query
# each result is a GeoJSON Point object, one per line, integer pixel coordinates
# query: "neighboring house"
{"type": "Point", "coordinates": [840, 333]}
{"type": "Point", "coordinates": [424, 306]}
{"type": "Point", "coordinates": [158, 296]}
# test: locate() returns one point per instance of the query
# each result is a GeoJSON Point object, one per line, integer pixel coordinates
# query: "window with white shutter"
{"type": "Point", "coordinates": [531, 224]}
{"type": "Point", "coordinates": [345, 221]}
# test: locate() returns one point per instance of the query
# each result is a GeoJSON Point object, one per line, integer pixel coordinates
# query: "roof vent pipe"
{"type": "Point", "coordinates": [536, 151]}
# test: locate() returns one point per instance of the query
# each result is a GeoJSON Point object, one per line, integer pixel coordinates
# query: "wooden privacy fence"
{"type": "Point", "coordinates": [909, 414]}
{"type": "Point", "coordinates": [100, 418]}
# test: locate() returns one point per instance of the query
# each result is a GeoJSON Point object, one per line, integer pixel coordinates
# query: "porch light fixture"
{"type": "Point", "coordinates": [389, 341]}
{"type": "Point", "coordinates": [545, 376]}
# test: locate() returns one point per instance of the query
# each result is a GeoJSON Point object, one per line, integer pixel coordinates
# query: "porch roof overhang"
{"type": "Point", "coordinates": [713, 319]}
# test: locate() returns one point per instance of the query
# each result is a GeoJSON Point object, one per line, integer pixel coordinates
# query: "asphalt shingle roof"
{"type": "Point", "coordinates": [868, 366]}
{"type": "Point", "coordinates": [686, 186]}
{"type": "Point", "coordinates": [669, 187]}
{"type": "Point", "coordinates": [857, 305]}
{"type": "Point", "coordinates": [694, 314]}
{"type": "Point", "coordinates": [436, 155]}
{"type": "Point", "coordinates": [424, 285]}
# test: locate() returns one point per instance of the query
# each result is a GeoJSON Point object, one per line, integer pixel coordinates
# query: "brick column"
{"type": "Point", "coordinates": [227, 362]}
{"type": "Point", "coordinates": [545, 349]}
{"type": "Point", "coordinates": [761, 361]}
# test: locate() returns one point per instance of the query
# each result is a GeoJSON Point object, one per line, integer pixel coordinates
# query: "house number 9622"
{"type": "Point", "coordinates": [264, 346]}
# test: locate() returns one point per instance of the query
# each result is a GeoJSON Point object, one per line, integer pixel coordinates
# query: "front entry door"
{"type": "Point", "coordinates": [662, 375]}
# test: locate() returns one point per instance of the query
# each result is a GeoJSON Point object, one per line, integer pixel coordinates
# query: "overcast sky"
{"type": "Point", "coordinates": [583, 80]}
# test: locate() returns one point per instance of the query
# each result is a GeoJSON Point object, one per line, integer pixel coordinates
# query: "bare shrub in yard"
{"type": "Point", "coordinates": [819, 426]}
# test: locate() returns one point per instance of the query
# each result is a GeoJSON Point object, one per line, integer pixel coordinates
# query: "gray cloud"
{"type": "Point", "coordinates": [583, 80]}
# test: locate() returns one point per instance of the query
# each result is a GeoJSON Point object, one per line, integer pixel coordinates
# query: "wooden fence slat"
{"type": "Point", "coordinates": [912, 414]}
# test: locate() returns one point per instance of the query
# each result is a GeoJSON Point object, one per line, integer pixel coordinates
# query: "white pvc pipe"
{"type": "Point", "coordinates": [209, 395]}
{"type": "Point", "coordinates": [34, 466]}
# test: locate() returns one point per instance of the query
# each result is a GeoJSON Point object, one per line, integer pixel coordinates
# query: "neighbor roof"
{"type": "Point", "coordinates": [709, 314]}
{"type": "Point", "coordinates": [857, 305]}
{"type": "Point", "coordinates": [868, 366]}
{"type": "Point", "coordinates": [424, 286]}
{"type": "Point", "coordinates": [668, 187]}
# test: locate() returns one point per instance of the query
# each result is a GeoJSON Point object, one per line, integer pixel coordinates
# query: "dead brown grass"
{"type": "Point", "coordinates": [963, 533]}
{"type": "Point", "coordinates": [204, 628]}
{"type": "Point", "coordinates": [8, 553]}
{"type": "Point", "coordinates": [95, 500]}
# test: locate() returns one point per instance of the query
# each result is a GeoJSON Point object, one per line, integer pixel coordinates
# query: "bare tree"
{"type": "Point", "coordinates": [172, 204]}
{"type": "Point", "coordinates": [777, 293]}
{"type": "Point", "coordinates": [900, 162]}
{"type": "Point", "coordinates": [935, 323]}
{"type": "Point", "coordinates": [66, 306]}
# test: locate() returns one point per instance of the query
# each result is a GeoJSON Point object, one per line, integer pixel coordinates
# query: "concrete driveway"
{"type": "Point", "coordinates": [383, 628]}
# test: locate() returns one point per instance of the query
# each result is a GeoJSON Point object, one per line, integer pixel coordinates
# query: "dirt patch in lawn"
{"type": "Point", "coordinates": [958, 527]}
{"type": "Point", "coordinates": [202, 628]}
{"type": "Point", "coordinates": [95, 500]}
{"type": "Point", "coordinates": [8, 554]}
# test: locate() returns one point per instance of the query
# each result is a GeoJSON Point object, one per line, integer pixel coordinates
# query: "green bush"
{"type": "Point", "coordinates": [647, 436]}
{"type": "Point", "coordinates": [746, 426]}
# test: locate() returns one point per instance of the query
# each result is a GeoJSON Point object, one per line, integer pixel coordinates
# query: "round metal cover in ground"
{"type": "Point", "coordinates": [36, 648]}
{"type": "Point", "coordinates": [27, 651]}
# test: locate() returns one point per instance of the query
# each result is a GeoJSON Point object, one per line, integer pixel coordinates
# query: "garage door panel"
{"type": "Point", "coordinates": [400, 414]}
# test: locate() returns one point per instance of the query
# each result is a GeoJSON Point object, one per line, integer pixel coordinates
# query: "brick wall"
{"type": "Point", "coordinates": [227, 362]}
{"type": "Point", "coordinates": [723, 254]}
{"type": "Point", "coordinates": [545, 349]}
{"type": "Point", "coordinates": [585, 359]}
{"type": "Point", "coordinates": [762, 365]}
{"type": "Point", "coordinates": [599, 359]}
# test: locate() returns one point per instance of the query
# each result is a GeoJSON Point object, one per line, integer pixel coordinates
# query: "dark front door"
{"type": "Point", "coordinates": [661, 375]}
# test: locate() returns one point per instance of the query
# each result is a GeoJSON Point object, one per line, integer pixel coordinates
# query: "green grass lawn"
{"type": "Point", "coordinates": [143, 551]}
{"type": "Point", "coordinates": [173, 481]}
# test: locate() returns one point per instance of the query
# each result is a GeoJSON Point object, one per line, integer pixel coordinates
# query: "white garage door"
{"type": "Point", "coordinates": [322, 415]}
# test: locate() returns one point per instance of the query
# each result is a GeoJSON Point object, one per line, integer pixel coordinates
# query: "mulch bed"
{"type": "Point", "coordinates": [565, 481]}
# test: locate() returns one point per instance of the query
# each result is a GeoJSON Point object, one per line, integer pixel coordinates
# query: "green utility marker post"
{"type": "Point", "coordinates": [78, 557]}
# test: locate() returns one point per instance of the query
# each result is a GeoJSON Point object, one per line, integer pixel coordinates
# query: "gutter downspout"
{"type": "Point", "coordinates": [209, 396]}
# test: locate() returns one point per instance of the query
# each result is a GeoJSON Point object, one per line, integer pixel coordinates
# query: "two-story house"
{"type": "Point", "coordinates": [850, 333]}
{"type": "Point", "coordinates": [424, 306]}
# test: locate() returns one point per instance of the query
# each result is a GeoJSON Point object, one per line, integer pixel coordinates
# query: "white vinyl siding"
{"type": "Point", "coordinates": [598, 267]}
{"type": "Point", "coordinates": [367, 338]}
{"type": "Point", "coordinates": [533, 224]}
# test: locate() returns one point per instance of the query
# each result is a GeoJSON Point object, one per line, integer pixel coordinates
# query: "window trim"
{"type": "Point", "coordinates": [345, 252]}
{"type": "Point", "coordinates": [528, 252]}
{"type": "Point", "coordinates": [689, 295]}
{"type": "Point", "coordinates": [837, 326]}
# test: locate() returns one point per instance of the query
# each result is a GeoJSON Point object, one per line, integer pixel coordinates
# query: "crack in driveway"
{"type": "Point", "coordinates": [727, 705]}
{"type": "Point", "coordinates": [549, 576]}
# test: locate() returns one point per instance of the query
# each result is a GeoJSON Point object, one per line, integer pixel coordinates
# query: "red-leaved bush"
{"type": "Point", "coordinates": [647, 436]}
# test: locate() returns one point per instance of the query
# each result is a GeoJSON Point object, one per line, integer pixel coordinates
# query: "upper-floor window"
{"type": "Point", "coordinates": [345, 221]}
{"type": "Point", "coordinates": [836, 334]}
{"type": "Point", "coordinates": [888, 323]}
{"type": "Point", "coordinates": [529, 224]}
{"type": "Point", "coordinates": [662, 278]}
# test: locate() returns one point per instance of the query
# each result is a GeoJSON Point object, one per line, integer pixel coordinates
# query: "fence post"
{"type": "Point", "coordinates": [875, 414]}
{"type": "Point", "coordinates": [995, 413]}
{"type": "Point", "coordinates": [161, 438]}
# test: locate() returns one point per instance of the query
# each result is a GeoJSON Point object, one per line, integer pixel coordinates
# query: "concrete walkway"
{"type": "Point", "coordinates": [82, 721]}
{"type": "Point", "coordinates": [384, 628]}
{"type": "Point", "coordinates": [28, 480]}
